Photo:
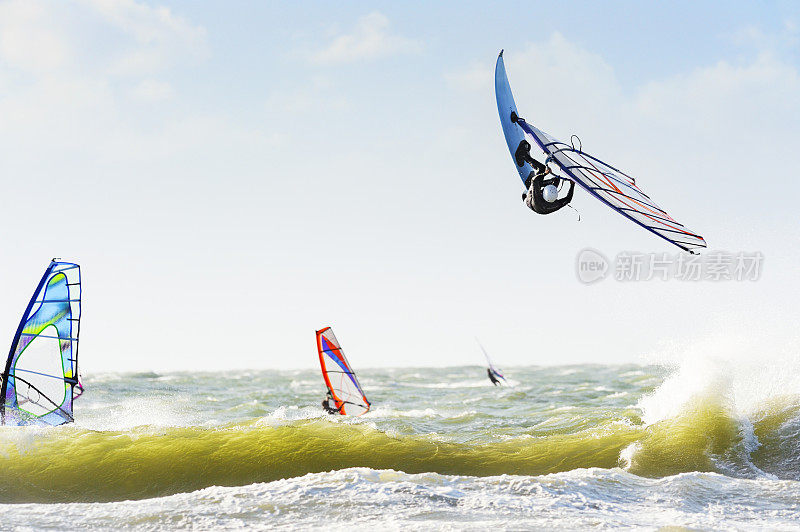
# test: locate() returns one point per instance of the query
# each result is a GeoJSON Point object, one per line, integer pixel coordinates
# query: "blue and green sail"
{"type": "Point", "coordinates": [41, 372]}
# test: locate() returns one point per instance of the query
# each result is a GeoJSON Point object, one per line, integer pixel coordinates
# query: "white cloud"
{"type": "Point", "coordinates": [370, 40]}
{"type": "Point", "coordinates": [77, 120]}
{"type": "Point", "coordinates": [555, 80]}
{"type": "Point", "coordinates": [70, 69]}
{"type": "Point", "coordinates": [316, 96]}
{"type": "Point", "coordinates": [726, 99]}
{"type": "Point", "coordinates": [152, 90]}
{"type": "Point", "coordinates": [160, 38]}
{"type": "Point", "coordinates": [95, 37]}
{"type": "Point", "coordinates": [30, 38]}
{"type": "Point", "coordinates": [557, 84]}
{"type": "Point", "coordinates": [781, 41]}
{"type": "Point", "coordinates": [147, 24]}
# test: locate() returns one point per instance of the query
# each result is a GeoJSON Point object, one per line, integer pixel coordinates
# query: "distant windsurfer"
{"type": "Point", "coordinates": [492, 376]}
{"type": "Point", "coordinates": [542, 194]}
{"type": "Point", "coordinates": [329, 404]}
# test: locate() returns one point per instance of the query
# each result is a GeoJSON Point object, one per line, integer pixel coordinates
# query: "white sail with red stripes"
{"type": "Point", "coordinates": [339, 377]}
{"type": "Point", "coordinates": [610, 185]}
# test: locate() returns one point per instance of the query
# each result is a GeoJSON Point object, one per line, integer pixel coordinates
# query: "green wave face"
{"type": "Point", "coordinates": [109, 466]}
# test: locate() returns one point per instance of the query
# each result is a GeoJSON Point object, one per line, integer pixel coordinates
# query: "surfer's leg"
{"type": "Point", "coordinates": [529, 179]}
{"type": "Point", "coordinates": [523, 153]}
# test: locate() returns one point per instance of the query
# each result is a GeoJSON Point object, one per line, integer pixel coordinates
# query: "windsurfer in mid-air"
{"type": "Point", "coordinates": [492, 376]}
{"type": "Point", "coordinates": [329, 404]}
{"type": "Point", "coordinates": [542, 194]}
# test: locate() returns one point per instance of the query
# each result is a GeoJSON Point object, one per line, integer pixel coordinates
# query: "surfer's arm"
{"type": "Point", "coordinates": [558, 204]}
{"type": "Point", "coordinates": [537, 182]}
{"type": "Point", "coordinates": [552, 181]}
{"type": "Point", "coordinates": [568, 197]}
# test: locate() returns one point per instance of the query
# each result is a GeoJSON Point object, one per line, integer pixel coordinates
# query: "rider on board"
{"type": "Point", "coordinates": [542, 194]}
{"type": "Point", "coordinates": [329, 404]}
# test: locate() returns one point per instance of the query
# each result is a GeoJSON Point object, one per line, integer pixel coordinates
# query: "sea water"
{"type": "Point", "coordinates": [560, 447]}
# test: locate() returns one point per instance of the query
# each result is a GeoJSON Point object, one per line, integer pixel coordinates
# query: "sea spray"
{"type": "Point", "coordinates": [723, 401]}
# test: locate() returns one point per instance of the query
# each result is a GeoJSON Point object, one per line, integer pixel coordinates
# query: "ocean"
{"type": "Point", "coordinates": [569, 447]}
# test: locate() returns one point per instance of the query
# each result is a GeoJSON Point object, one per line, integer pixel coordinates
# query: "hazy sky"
{"type": "Point", "coordinates": [234, 175]}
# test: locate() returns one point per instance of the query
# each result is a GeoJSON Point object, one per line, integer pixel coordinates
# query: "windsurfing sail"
{"type": "Point", "coordinates": [608, 184]}
{"type": "Point", "coordinates": [41, 371]}
{"type": "Point", "coordinates": [493, 369]}
{"type": "Point", "coordinates": [339, 376]}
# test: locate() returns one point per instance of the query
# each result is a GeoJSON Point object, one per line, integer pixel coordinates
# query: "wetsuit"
{"type": "Point", "coordinates": [492, 377]}
{"type": "Point", "coordinates": [534, 198]}
{"type": "Point", "coordinates": [326, 404]}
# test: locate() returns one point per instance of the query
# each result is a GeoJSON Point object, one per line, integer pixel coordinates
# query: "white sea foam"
{"type": "Point", "coordinates": [362, 498]}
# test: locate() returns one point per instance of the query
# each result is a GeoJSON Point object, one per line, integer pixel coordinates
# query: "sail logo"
{"type": "Point", "coordinates": [591, 266]}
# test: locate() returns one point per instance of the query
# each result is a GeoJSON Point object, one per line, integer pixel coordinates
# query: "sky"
{"type": "Point", "coordinates": [233, 176]}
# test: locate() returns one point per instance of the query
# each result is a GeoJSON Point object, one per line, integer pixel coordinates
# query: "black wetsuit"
{"type": "Point", "coordinates": [492, 377]}
{"type": "Point", "coordinates": [326, 404]}
{"type": "Point", "coordinates": [534, 197]}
